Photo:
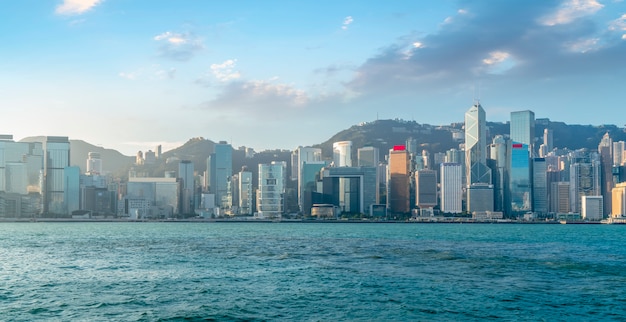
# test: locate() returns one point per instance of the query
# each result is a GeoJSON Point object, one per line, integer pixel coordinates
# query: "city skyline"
{"type": "Point", "coordinates": [129, 76]}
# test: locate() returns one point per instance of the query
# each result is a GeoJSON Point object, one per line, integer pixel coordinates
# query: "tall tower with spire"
{"type": "Point", "coordinates": [476, 146]}
{"type": "Point", "coordinates": [605, 149]}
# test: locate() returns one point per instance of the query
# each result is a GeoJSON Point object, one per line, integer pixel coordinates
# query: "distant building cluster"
{"type": "Point", "coordinates": [517, 176]}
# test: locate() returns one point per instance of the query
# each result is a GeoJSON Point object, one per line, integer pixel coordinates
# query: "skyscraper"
{"type": "Point", "coordinates": [451, 187]}
{"type": "Point", "coordinates": [367, 157]}
{"type": "Point", "coordinates": [476, 145]}
{"type": "Point", "coordinates": [245, 192]}
{"type": "Point", "coordinates": [94, 163]}
{"type": "Point", "coordinates": [342, 153]}
{"type": "Point", "coordinates": [522, 128]}
{"type": "Point", "coordinates": [57, 158]}
{"type": "Point", "coordinates": [220, 169]}
{"type": "Point", "coordinates": [540, 186]}
{"type": "Point", "coordinates": [187, 186]}
{"type": "Point", "coordinates": [519, 199]}
{"type": "Point", "coordinates": [426, 188]}
{"type": "Point", "coordinates": [306, 155]}
{"type": "Point", "coordinates": [271, 189]}
{"type": "Point", "coordinates": [398, 180]}
{"type": "Point", "coordinates": [605, 149]}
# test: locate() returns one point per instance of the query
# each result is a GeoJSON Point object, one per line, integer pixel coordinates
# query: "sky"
{"type": "Point", "coordinates": [132, 74]}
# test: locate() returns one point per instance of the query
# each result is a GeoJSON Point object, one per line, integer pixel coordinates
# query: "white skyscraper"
{"type": "Point", "coordinates": [475, 146]}
{"type": "Point", "coordinates": [271, 189]}
{"type": "Point", "coordinates": [342, 153]}
{"type": "Point", "coordinates": [451, 187]}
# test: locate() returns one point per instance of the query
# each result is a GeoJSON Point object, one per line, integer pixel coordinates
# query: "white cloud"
{"type": "Point", "coordinates": [571, 10]}
{"type": "Point", "coordinates": [496, 57]}
{"type": "Point", "coordinates": [619, 25]}
{"type": "Point", "coordinates": [346, 22]}
{"type": "Point", "coordinates": [225, 72]}
{"type": "Point", "coordinates": [584, 45]}
{"type": "Point", "coordinates": [76, 7]}
{"type": "Point", "coordinates": [178, 46]}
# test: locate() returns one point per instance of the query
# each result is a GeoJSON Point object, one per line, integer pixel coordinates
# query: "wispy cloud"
{"type": "Point", "coordinates": [178, 46]}
{"type": "Point", "coordinates": [225, 71]}
{"type": "Point", "coordinates": [571, 10]}
{"type": "Point", "coordinates": [346, 22]}
{"type": "Point", "coordinates": [76, 7]}
{"type": "Point", "coordinates": [258, 98]}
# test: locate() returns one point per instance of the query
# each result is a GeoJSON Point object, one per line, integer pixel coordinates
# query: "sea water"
{"type": "Point", "coordinates": [311, 272]}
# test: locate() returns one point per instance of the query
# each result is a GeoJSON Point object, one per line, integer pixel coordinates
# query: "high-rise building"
{"type": "Point", "coordinates": [398, 180]}
{"type": "Point", "coordinates": [426, 188]}
{"type": "Point", "coordinates": [560, 197]}
{"type": "Point", "coordinates": [619, 148]}
{"type": "Point", "coordinates": [540, 186]}
{"type": "Point", "coordinates": [188, 187]}
{"type": "Point", "coordinates": [306, 155]}
{"type": "Point", "coordinates": [498, 153]}
{"type": "Point", "coordinates": [245, 192]}
{"type": "Point", "coordinates": [57, 158]}
{"type": "Point", "coordinates": [342, 153]}
{"type": "Point", "coordinates": [480, 198]}
{"type": "Point", "coordinates": [451, 187]}
{"type": "Point", "coordinates": [475, 146]}
{"type": "Point", "coordinates": [519, 200]}
{"type": "Point", "coordinates": [605, 149]}
{"type": "Point", "coordinates": [271, 189]}
{"type": "Point", "coordinates": [94, 163]}
{"type": "Point", "coordinates": [367, 157]}
{"type": "Point", "coordinates": [71, 183]}
{"type": "Point", "coordinates": [548, 139]}
{"type": "Point", "coordinates": [220, 169]}
{"type": "Point", "coordinates": [584, 180]}
{"type": "Point", "coordinates": [618, 208]}
{"type": "Point", "coordinates": [522, 128]}
{"type": "Point", "coordinates": [592, 207]}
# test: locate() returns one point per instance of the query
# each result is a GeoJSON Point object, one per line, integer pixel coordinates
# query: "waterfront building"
{"type": "Point", "coordinates": [359, 186]}
{"type": "Point", "coordinates": [309, 176]}
{"type": "Point", "coordinates": [451, 187]}
{"type": "Point", "coordinates": [591, 208]}
{"type": "Point", "coordinates": [426, 188]}
{"type": "Point", "coordinates": [71, 195]}
{"type": "Point", "coordinates": [605, 150]}
{"type": "Point", "coordinates": [245, 192]}
{"type": "Point", "coordinates": [398, 180]}
{"type": "Point", "coordinates": [560, 197]}
{"type": "Point", "coordinates": [475, 146]}
{"type": "Point", "coordinates": [94, 163]}
{"type": "Point", "coordinates": [270, 194]}
{"type": "Point", "coordinates": [519, 200]}
{"type": "Point", "coordinates": [57, 158]}
{"type": "Point", "coordinates": [584, 180]}
{"type": "Point", "coordinates": [522, 129]}
{"type": "Point", "coordinates": [618, 208]}
{"type": "Point", "coordinates": [480, 197]}
{"type": "Point", "coordinates": [219, 170]}
{"type": "Point", "coordinates": [540, 186]}
{"type": "Point", "coordinates": [306, 155]}
{"type": "Point", "coordinates": [498, 155]}
{"type": "Point", "coordinates": [187, 185]}
{"type": "Point", "coordinates": [151, 198]}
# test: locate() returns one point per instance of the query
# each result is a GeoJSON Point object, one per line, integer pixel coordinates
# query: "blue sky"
{"type": "Point", "coordinates": [130, 74]}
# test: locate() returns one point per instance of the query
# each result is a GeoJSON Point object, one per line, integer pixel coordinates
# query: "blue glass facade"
{"type": "Point", "coordinates": [520, 187]}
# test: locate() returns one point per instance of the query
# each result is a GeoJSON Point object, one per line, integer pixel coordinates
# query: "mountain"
{"type": "Point", "coordinates": [112, 160]}
{"type": "Point", "coordinates": [382, 134]}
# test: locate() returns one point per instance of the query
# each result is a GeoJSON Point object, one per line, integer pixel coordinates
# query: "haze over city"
{"type": "Point", "coordinates": [131, 75]}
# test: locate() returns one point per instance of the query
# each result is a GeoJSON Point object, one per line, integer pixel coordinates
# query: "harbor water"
{"type": "Point", "coordinates": [311, 272]}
